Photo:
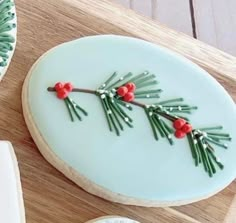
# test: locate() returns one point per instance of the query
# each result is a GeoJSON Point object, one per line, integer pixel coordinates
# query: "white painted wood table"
{"type": "Point", "coordinates": [211, 21]}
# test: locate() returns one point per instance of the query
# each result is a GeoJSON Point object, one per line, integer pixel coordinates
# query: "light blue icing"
{"type": "Point", "coordinates": [133, 164]}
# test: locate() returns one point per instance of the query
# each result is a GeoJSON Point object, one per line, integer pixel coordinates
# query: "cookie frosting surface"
{"type": "Point", "coordinates": [134, 164]}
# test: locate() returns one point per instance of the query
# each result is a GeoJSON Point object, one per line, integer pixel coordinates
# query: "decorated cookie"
{"type": "Point", "coordinates": [112, 219]}
{"type": "Point", "coordinates": [7, 34]}
{"type": "Point", "coordinates": [11, 202]}
{"type": "Point", "coordinates": [131, 122]}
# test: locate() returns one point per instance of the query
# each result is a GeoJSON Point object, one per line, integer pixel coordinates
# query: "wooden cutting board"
{"type": "Point", "coordinates": [49, 196]}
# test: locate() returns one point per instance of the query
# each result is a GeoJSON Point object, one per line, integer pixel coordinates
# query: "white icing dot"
{"type": "Point", "coordinates": [147, 96]}
{"type": "Point", "coordinates": [167, 112]}
{"type": "Point", "coordinates": [103, 96]}
{"type": "Point", "coordinates": [112, 101]}
{"type": "Point", "coordinates": [147, 106]}
{"type": "Point", "coordinates": [114, 90]}
{"type": "Point", "coordinates": [218, 159]}
{"type": "Point", "coordinates": [179, 108]}
{"type": "Point", "coordinates": [153, 106]}
{"type": "Point", "coordinates": [169, 137]}
{"type": "Point", "coordinates": [201, 137]}
{"type": "Point", "coordinates": [106, 91]}
{"type": "Point", "coordinates": [160, 106]}
{"type": "Point", "coordinates": [145, 72]}
{"type": "Point", "coordinates": [204, 134]}
{"type": "Point", "coordinates": [225, 145]}
{"type": "Point", "coordinates": [159, 118]}
{"type": "Point", "coordinates": [126, 119]}
{"type": "Point", "coordinates": [111, 95]}
{"type": "Point", "coordinates": [109, 112]}
{"type": "Point", "coordinates": [195, 141]}
{"type": "Point", "coordinates": [127, 106]}
{"type": "Point", "coordinates": [104, 85]}
{"type": "Point", "coordinates": [171, 109]}
{"type": "Point", "coordinates": [150, 113]}
{"type": "Point", "coordinates": [121, 79]}
{"type": "Point", "coordinates": [204, 146]}
{"type": "Point", "coordinates": [100, 91]}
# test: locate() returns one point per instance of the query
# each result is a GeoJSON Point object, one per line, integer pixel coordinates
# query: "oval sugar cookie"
{"type": "Point", "coordinates": [112, 219]}
{"type": "Point", "coordinates": [131, 122]}
{"type": "Point", "coordinates": [7, 34]}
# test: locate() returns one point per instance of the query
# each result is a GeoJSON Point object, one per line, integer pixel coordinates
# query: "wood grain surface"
{"type": "Point", "coordinates": [49, 196]}
{"type": "Point", "coordinates": [211, 21]}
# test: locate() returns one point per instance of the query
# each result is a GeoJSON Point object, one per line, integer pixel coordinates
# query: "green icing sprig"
{"type": "Point", "coordinates": [115, 95]}
{"type": "Point", "coordinates": [74, 108]}
{"type": "Point", "coordinates": [201, 142]}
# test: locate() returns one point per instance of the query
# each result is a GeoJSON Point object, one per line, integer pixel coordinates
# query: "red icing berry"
{"type": "Point", "coordinates": [68, 87]}
{"type": "Point", "coordinates": [179, 123]}
{"type": "Point", "coordinates": [129, 97]}
{"type": "Point", "coordinates": [179, 134]}
{"type": "Point", "coordinates": [131, 86]}
{"type": "Point", "coordinates": [187, 128]}
{"type": "Point", "coordinates": [62, 93]}
{"type": "Point", "coordinates": [58, 86]}
{"type": "Point", "coordinates": [122, 91]}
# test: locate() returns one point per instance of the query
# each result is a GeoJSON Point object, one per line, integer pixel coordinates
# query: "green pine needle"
{"type": "Point", "coordinates": [202, 151]}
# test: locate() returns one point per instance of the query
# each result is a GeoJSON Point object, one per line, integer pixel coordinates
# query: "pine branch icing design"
{"type": "Point", "coordinates": [6, 25]}
{"type": "Point", "coordinates": [167, 119]}
{"type": "Point", "coordinates": [73, 108]}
